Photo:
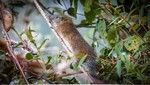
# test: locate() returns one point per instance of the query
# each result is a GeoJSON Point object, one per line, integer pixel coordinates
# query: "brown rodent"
{"type": "Point", "coordinates": [75, 43]}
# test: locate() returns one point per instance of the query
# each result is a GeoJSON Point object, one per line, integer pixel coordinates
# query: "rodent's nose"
{"type": "Point", "coordinates": [53, 17]}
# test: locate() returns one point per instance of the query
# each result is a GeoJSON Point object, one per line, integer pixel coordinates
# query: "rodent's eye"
{"type": "Point", "coordinates": [54, 17]}
{"type": "Point", "coordinates": [63, 19]}
{"type": "Point", "coordinates": [57, 17]}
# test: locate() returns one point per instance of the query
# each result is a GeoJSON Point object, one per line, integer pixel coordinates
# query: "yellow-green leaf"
{"type": "Point", "coordinates": [29, 56]}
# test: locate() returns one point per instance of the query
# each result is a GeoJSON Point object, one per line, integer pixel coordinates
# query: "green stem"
{"type": "Point", "coordinates": [40, 54]}
{"type": "Point", "coordinates": [17, 34]}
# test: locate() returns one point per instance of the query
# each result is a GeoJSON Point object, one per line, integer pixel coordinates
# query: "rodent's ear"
{"type": "Point", "coordinates": [54, 19]}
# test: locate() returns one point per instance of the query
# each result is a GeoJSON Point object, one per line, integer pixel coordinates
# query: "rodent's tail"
{"type": "Point", "coordinates": [92, 68]}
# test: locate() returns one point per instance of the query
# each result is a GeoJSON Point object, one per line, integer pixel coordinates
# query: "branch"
{"type": "Point", "coordinates": [68, 74]}
{"type": "Point", "coordinates": [44, 7]}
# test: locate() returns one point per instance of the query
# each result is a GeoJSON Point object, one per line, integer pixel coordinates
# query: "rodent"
{"type": "Point", "coordinates": [75, 42]}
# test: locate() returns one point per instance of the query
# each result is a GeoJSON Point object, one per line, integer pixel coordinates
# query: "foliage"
{"type": "Point", "coordinates": [125, 25]}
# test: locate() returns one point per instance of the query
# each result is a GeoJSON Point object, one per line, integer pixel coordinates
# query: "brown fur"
{"type": "Point", "coordinates": [74, 40]}
{"type": "Point", "coordinates": [76, 44]}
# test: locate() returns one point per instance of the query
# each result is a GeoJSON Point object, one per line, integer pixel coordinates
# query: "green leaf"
{"type": "Point", "coordinates": [135, 27]}
{"type": "Point", "coordinates": [133, 43]}
{"type": "Point", "coordinates": [49, 60]}
{"type": "Point", "coordinates": [71, 12]}
{"type": "Point", "coordinates": [20, 81]}
{"type": "Point", "coordinates": [148, 16]}
{"type": "Point", "coordinates": [119, 46]}
{"type": "Point", "coordinates": [76, 66]}
{"type": "Point", "coordinates": [29, 56]}
{"type": "Point", "coordinates": [58, 10]}
{"type": "Point", "coordinates": [147, 36]}
{"type": "Point", "coordinates": [33, 41]}
{"type": "Point", "coordinates": [84, 22]}
{"type": "Point", "coordinates": [4, 76]}
{"type": "Point", "coordinates": [114, 2]}
{"type": "Point", "coordinates": [141, 13]}
{"type": "Point", "coordinates": [101, 27]}
{"type": "Point", "coordinates": [87, 5]}
{"type": "Point", "coordinates": [127, 63]}
{"type": "Point", "coordinates": [29, 33]}
{"type": "Point", "coordinates": [144, 68]}
{"type": "Point", "coordinates": [42, 44]}
{"type": "Point", "coordinates": [18, 3]}
{"type": "Point", "coordinates": [58, 1]}
{"type": "Point", "coordinates": [117, 11]}
{"type": "Point", "coordinates": [82, 2]}
{"type": "Point", "coordinates": [71, 1]}
{"type": "Point", "coordinates": [115, 19]}
{"type": "Point", "coordinates": [22, 33]}
{"type": "Point", "coordinates": [90, 16]}
{"type": "Point", "coordinates": [95, 44]}
{"type": "Point", "coordinates": [103, 1]}
{"type": "Point", "coordinates": [20, 43]}
{"type": "Point", "coordinates": [119, 68]}
{"type": "Point", "coordinates": [112, 36]}
{"type": "Point", "coordinates": [121, 1]}
{"type": "Point", "coordinates": [120, 55]}
{"type": "Point", "coordinates": [75, 8]}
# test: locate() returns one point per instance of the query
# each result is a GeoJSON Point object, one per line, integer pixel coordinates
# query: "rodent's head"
{"type": "Point", "coordinates": [58, 20]}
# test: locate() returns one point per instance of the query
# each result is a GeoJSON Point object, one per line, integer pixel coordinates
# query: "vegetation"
{"type": "Point", "coordinates": [123, 25]}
